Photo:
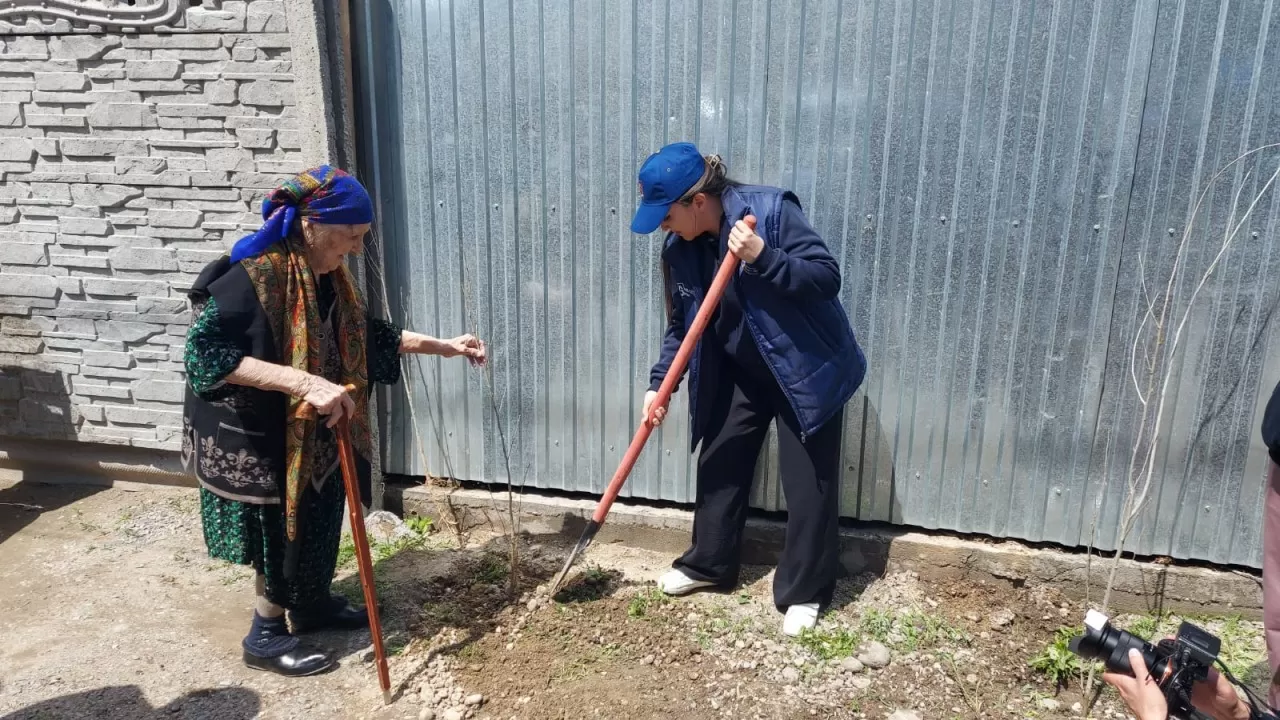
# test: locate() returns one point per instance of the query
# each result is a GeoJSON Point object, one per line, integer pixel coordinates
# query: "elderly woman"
{"type": "Point", "coordinates": [278, 326]}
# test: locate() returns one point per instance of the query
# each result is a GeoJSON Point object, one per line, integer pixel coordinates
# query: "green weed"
{"type": "Point", "coordinates": [492, 571]}
{"type": "Point", "coordinates": [346, 552]}
{"type": "Point", "coordinates": [593, 584]}
{"type": "Point", "coordinates": [420, 525]}
{"type": "Point", "coordinates": [876, 624]}
{"type": "Point", "coordinates": [921, 630]}
{"type": "Point", "coordinates": [830, 644]}
{"type": "Point", "coordinates": [1243, 648]}
{"type": "Point", "coordinates": [642, 604]}
{"type": "Point", "coordinates": [1056, 662]}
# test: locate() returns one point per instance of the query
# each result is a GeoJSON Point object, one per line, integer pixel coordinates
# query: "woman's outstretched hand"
{"type": "Point", "coordinates": [468, 346]}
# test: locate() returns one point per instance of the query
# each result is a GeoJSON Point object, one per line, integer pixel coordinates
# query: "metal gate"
{"type": "Point", "coordinates": [993, 175]}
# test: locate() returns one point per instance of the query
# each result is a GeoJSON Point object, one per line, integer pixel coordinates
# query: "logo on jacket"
{"type": "Point", "coordinates": [684, 290]}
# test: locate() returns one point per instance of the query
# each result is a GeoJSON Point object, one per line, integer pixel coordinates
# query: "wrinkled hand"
{"type": "Point", "coordinates": [659, 413]}
{"type": "Point", "coordinates": [328, 399]}
{"type": "Point", "coordinates": [466, 345]}
{"type": "Point", "coordinates": [744, 242]}
{"type": "Point", "coordinates": [1139, 691]}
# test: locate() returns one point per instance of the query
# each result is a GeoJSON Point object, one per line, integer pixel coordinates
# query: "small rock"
{"type": "Point", "coordinates": [532, 605]}
{"type": "Point", "coordinates": [1050, 704]}
{"type": "Point", "coordinates": [876, 655]}
{"type": "Point", "coordinates": [385, 527]}
{"type": "Point", "coordinates": [473, 700]}
{"type": "Point", "coordinates": [647, 660]}
{"type": "Point", "coordinates": [453, 714]}
{"type": "Point", "coordinates": [1077, 708]}
{"type": "Point", "coordinates": [973, 617]}
{"type": "Point", "coordinates": [862, 682]}
{"type": "Point", "coordinates": [367, 655]}
{"type": "Point", "coordinates": [852, 665]}
{"type": "Point", "coordinates": [427, 714]}
{"type": "Point", "coordinates": [971, 679]}
{"type": "Point", "coordinates": [905, 715]}
{"type": "Point", "coordinates": [1001, 618]}
{"type": "Point", "coordinates": [715, 704]}
{"type": "Point", "coordinates": [790, 674]}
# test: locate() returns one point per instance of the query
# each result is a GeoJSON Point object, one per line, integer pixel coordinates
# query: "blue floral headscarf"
{"type": "Point", "coordinates": [323, 195]}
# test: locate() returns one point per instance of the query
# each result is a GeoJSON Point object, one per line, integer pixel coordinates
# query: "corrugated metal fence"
{"type": "Point", "coordinates": [995, 177]}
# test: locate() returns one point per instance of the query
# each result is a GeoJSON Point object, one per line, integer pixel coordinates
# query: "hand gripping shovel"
{"type": "Point", "coordinates": [351, 481]}
{"type": "Point", "coordinates": [691, 336]}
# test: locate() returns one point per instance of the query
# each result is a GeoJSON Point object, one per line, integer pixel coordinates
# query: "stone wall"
{"type": "Point", "coordinates": [130, 159]}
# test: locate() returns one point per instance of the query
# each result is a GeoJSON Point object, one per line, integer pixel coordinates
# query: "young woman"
{"type": "Point", "coordinates": [780, 346]}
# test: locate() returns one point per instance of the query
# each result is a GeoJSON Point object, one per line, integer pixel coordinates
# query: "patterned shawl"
{"type": "Point", "coordinates": [286, 289]}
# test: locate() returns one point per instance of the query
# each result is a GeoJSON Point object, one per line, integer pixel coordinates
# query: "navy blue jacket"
{"type": "Point", "coordinates": [790, 297]}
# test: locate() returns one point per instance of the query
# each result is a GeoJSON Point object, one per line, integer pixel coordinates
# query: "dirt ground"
{"type": "Point", "coordinates": [109, 608]}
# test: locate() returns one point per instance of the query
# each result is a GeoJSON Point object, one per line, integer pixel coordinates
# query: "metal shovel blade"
{"type": "Point", "coordinates": [588, 534]}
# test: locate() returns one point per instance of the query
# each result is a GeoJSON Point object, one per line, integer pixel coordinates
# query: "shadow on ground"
{"type": "Point", "coordinates": [24, 502]}
{"type": "Point", "coordinates": [128, 701]}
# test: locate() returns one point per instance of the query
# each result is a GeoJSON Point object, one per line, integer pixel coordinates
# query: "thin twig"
{"type": "Point", "coordinates": [444, 507]}
{"type": "Point", "coordinates": [955, 675]}
{"type": "Point", "coordinates": [513, 572]}
{"type": "Point", "coordinates": [24, 506]}
{"type": "Point", "coordinates": [1161, 360]}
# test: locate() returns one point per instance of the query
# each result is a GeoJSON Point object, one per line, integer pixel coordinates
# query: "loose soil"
{"type": "Point", "coordinates": [109, 608]}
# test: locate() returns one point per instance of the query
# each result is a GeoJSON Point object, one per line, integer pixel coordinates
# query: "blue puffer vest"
{"type": "Point", "coordinates": [807, 342]}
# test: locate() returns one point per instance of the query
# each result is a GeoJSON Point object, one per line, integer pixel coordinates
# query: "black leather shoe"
{"type": "Point", "coordinates": [341, 616]}
{"type": "Point", "coordinates": [298, 662]}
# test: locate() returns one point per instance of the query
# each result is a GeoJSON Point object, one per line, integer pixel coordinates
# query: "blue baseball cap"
{"type": "Point", "coordinates": [664, 178]}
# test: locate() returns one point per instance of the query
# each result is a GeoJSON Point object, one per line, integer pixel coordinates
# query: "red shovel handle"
{"type": "Point", "coordinates": [691, 336]}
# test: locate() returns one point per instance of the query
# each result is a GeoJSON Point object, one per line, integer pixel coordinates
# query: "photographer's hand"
{"type": "Point", "coordinates": [1139, 690]}
{"type": "Point", "coordinates": [1217, 698]}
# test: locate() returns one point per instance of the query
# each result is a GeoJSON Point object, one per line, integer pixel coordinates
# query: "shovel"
{"type": "Point", "coordinates": [674, 373]}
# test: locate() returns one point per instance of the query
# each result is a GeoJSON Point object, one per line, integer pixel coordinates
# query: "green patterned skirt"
{"type": "Point", "coordinates": [249, 534]}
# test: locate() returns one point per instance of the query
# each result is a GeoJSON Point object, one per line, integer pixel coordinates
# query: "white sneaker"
{"type": "Point", "coordinates": [677, 583]}
{"type": "Point", "coordinates": [800, 618]}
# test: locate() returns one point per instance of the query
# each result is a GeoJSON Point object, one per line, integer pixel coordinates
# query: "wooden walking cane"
{"type": "Point", "coordinates": [691, 336]}
{"type": "Point", "coordinates": [356, 510]}
{"type": "Point", "coordinates": [351, 480]}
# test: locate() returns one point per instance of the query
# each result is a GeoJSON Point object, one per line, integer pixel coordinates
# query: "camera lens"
{"type": "Point", "coordinates": [1111, 645]}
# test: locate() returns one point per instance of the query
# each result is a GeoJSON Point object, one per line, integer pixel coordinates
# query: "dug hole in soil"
{"type": "Point", "coordinates": [109, 608]}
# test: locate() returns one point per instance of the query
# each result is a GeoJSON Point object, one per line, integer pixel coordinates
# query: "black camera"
{"type": "Point", "coordinates": [1176, 665]}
